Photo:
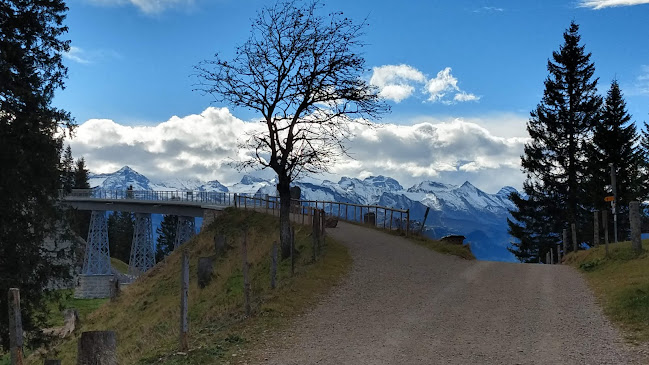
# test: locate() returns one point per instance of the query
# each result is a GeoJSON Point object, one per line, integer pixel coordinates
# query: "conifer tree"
{"type": "Point", "coordinates": [615, 141]}
{"type": "Point", "coordinates": [120, 234]}
{"type": "Point", "coordinates": [555, 160]}
{"type": "Point", "coordinates": [80, 219]}
{"type": "Point", "coordinates": [166, 236]}
{"type": "Point", "coordinates": [31, 71]}
{"type": "Point", "coordinates": [67, 170]}
{"type": "Point", "coordinates": [81, 175]}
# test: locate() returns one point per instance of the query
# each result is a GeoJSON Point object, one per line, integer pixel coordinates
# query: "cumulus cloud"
{"type": "Point", "coordinates": [146, 6]}
{"type": "Point", "coordinates": [395, 82]}
{"type": "Point", "coordinates": [642, 81]}
{"type": "Point", "coordinates": [601, 4]}
{"type": "Point", "coordinates": [202, 146]}
{"type": "Point", "coordinates": [398, 82]}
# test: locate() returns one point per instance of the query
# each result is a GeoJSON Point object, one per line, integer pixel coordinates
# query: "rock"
{"type": "Point", "coordinates": [205, 271]}
{"type": "Point", "coordinates": [453, 239]}
{"type": "Point", "coordinates": [331, 222]}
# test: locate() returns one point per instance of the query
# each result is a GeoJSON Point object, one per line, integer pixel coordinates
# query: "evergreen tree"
{"type": "Point", "coordinates": [166, 237]}
{"type": "Point", "coordinates": [80, 219]}
{"type": "Point", "coordinates": [615, 141]}
{"type": "Point", "coordinates": [555, 159]}
{"type": "Point", "coordinates": [120, 234]}
{"type": "Point", "coordinates": [67, 170]}
{"type": "Point", "coordinates": [31, 71]}
{"type": "Point", "coordinates": [81, 175]}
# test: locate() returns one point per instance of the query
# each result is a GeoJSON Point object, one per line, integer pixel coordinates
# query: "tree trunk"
{"type": "Point", "coordinates": [284, 190]}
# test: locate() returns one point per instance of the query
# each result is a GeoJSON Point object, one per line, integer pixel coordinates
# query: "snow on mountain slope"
{"type": "Point", "coordinates": [465, 209]}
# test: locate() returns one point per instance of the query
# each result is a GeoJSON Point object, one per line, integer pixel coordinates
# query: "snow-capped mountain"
{"type": "Point", "coordinates": [464, 209]}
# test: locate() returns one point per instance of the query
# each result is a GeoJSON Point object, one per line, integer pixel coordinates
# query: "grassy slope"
{"type": "Point", "coordinates": [621, 283]}
{"type": "Point", "coordinates": [119, 265]}
{"type": "Point", "coordinates": [145, 317]}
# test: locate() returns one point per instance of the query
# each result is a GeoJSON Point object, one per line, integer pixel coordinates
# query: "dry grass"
{"type": "Point", "coordinates": [146, 316]}
{"type": "Point", "coordinates": [621, 283]}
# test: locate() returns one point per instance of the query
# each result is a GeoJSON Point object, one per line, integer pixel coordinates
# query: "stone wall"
{"type": "Point", "coordinates": [93, 286]}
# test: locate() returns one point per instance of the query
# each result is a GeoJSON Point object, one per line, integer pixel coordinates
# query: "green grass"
{"type": "Point", "coordinates": [621, 283]}
{"type": "Point", "coordinates": [67, 301]}
{"type": "Point", "coordinates": [146, 315]}
{"type": "Point", "coordinates": [119, 265]}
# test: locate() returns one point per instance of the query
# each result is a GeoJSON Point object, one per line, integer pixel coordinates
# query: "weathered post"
{"type": "Point", "coordinates": [605, 223]}
{"type": "Point", "coordinates": [407, 222]}
{"type": "Point", "coordinates": [273, 265]}
{"type": "Point", "coordinates": [391, 217]}
{"type": "Point", "coordinates": [52, 362]}
{"type": "Point", "coordinates": [323, 220]}
{"type": "Point", "coordinates": [596, 228]}
{"type": "Point", "coordinates": [292, 250]}
{"type": "Point", "coordinates": [246, 279]}
{"type": "Point", "coordinates": [634, 216]}
{"type": "Point", "coordinates": [97, 348]}
{"type": "Point", "coordinates": [547, 257]}
{"type": "Point", "coordinates": [565, 241]}
{"type": "Point", "coordinates": [551, 256]}
{"type": "Point", "coordinates": [559, 254]}
{"type": "Point", "coordinates": [15, 327]}
{"type": "Point", "coordinates": [574, 237]}
{"type": "Point", "coordinates": [315, 232]}
{"type": "Point", "coordinates": [184, 305]}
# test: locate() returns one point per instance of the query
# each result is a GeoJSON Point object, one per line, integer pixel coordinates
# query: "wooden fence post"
{"type": "Point", "coordinates": [273, 265]}
{"type": "Point", "coordinates": [574, 237]}
{"type": "Point", "coordinates": [565, 241]}
{"type": "Point", "coordinates": [323, 219]}
{"type": "Point", "coordinates": [97, 348]}
{"type": "Point", "coordinates": [596, 228]}
{"type": "Point", "coordinates": [292, 250]}
{"type": "Point", "coordinates": [407, 222]}
{"type": "Point", "coordinates": [391, 217]}
{"type": "Point", "coordinates": [551, 256]}
{"type": "Point", "coordinates": [559, 254]}
{"type": "Point", "coordinates": [15, 327]}
{"type": "Point", "coordinates": [634, 216]}
{"type": "Point", "coordinates": [605, 224]}
{"type": "Point", "coordinates": [547, 257]}
{"type": "Point", "coordinates": [184, 301]}
{"type": "Point", "coordinates": [315, 233]}
{"type": "Point", "coordinates": [246, 279]}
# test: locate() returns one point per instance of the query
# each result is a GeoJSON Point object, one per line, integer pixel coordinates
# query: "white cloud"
{"type": "Point", "coordinates": [464, 96]}
{"type": "Point", "coordinates": [146, 6]}
{"type": "Point", "coordinates": [601, 4]}
{"type": "Point", "coordinates": [642, 81]}
{"type": "Point", "coordinates": [395, 81]}
{"type": "Point", "coordinates": [76, 54]}
{"type": "Point", "coordinates": [398, 82]}
{"type": "Point", "coordinates": [489, 9]}
{"type": "Point", "coordinates": [201, 146]}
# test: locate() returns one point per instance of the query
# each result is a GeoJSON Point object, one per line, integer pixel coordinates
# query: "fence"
{"type": "Point", "coordinates": [378, 216]}
{"type": "Point", "coordinates": [367, 214]}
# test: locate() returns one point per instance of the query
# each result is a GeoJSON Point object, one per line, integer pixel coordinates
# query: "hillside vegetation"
{"type": "Point", "coordinates": [621, 283]}
{"type": "Point", "coordinates": [146, 315]}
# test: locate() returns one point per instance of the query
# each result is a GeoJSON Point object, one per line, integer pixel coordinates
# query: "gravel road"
{"type": "Point", "coordinates": [405, 304]}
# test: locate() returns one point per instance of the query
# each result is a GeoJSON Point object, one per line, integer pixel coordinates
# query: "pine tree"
{"type": "Point", "coordinates": [615, 141]}
{"type": "Point", "coordinates": [120, 234]}
{"type": "Point", "coordinates": [80, 219]}
{"type": "Point", "coordinates": [81, 175]}
{"type": "Point", "coordinates": [555, 159]}
{"type": "Point", "coordinates": [31, 71]}
{"type": "Point", "coordinates": [67, 170]}
{"type": "Point", "coordinates": [166, 237]}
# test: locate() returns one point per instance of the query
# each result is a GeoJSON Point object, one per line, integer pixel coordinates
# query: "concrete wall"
{"type": "Point", "coordinates": [93, 286]}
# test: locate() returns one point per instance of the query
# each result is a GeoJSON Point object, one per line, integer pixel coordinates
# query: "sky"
{"type": "Point", "coordinates": [460, 77]}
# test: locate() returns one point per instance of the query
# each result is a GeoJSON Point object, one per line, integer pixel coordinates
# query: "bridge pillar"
{"type": "Point", "coordinates": [97, 258]}
{"type": "Point", "coordinates": [142, 255]}
{"type": "Point", "coordinates": [184, 230]}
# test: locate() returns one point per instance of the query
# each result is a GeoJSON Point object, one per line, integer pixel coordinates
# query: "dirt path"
{"type": "Point", "coordinates": [404, 304]}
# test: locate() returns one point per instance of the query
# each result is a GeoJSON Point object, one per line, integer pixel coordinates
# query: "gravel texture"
{"type": "Point", "coordinates": [405, 304]}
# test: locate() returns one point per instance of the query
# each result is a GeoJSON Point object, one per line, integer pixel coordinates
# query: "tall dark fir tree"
{"type": "Point", "coordinates": [31, 70]}
{"type": "Point", "coordinates": [615, 141]}
{"type": "Point", "coordinates": [166, 236]}
{"type": "Point", "coordinates": [555, 159]}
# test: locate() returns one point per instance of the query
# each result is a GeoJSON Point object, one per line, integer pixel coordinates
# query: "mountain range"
{"type": "Point", "coordinates": [464, 209]}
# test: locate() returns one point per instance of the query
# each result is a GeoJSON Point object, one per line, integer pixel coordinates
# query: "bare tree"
{"type": "Point", "coordinates": [302, 73]}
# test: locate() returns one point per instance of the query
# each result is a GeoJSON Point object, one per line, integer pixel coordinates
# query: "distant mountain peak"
{"type": "Point", "coordinates": [249, 180]}
{"type": "Point", "coordinates": [505, 191]}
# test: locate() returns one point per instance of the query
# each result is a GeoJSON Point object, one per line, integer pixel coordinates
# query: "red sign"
{"type": "Point", "coordinates": [609, 198]}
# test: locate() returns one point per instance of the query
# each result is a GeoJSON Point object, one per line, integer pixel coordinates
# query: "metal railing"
{"type": "Point", "coordinates": [376, 215]}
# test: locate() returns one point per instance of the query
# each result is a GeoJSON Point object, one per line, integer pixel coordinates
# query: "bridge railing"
{"type": "Point", "coordinates": [207, 197]}
{"type": "Point", "coordinates": [376, 215]}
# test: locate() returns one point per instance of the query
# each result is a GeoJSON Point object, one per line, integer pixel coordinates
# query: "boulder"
{"type": "Point", "coordinates": [331, 222]}
{"type": "Point", "coordinates": [453, 239]}
{"type": "Point", "coordinates": [205, 271]}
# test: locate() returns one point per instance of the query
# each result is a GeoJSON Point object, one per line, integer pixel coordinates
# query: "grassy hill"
{"type": "Point", "coordinates": [146, 315]}
{"type": "Point", "coordinates": [621, 283]}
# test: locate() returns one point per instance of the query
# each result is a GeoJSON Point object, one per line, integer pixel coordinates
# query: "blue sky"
{"type": "Point", "coordinates": [132, 61]}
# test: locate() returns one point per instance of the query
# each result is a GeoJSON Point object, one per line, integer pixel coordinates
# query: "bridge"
{"type": "Point", "coordinates": [187, 206]}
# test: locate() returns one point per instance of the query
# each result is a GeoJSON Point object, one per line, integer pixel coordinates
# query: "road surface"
{"type": "Point", "coordinates": [405, 304]}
